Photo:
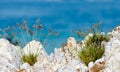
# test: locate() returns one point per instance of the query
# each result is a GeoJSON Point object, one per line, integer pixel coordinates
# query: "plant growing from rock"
{"type": "Point", "coordinates": [31, 52]}
{"type": "Point", "coordinates": [31, 58]}
{"type": "Point", "coordinates": [93, 48]}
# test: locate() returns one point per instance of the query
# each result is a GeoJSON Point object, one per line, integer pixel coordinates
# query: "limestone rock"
{"type": "Point", "coordinates": [97, 66]}
{"type": "Point", "coordinates": [25, 68]}
{"type": "Point", "coordinates": [34, 47]}
{"type": "Point", "coordinates": [10, 56]}
{"type": "Point", "coordinates": [71, 42]}
{"type": "Point", "coordinates": [91, 64]}
{"type": "Point", "coordinates": [112, 52]}
{"type": "Point", "coordinates": [116, 32]}
{"type": "Point", "coordinates": [64, 61]}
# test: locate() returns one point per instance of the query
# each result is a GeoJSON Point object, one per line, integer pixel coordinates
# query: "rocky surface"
{"type": "Point", "coordinates": [97, 66]}
{"type": "Point", "coordinates": [34, 47]}
{"type": "Point", "coordinates": [63, 59]}
{"type": "Point", "coordinates": [10, 56]}
{"type": "Point", "coordinates": [112, 52]}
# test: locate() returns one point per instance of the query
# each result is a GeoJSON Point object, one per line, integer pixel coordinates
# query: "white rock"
{"type": "Point", "coordinates": [26, 67]}
{"type": "Point", "coordinates": [112, 52]}
{"type": "Point", "coordinates": [100, 60]}
{"type": "Point", "coordinates": [71, 42]}
{"type": "Point", "coordinates": [34, 47]}
{"type": "Point", "coordinates": [84, 68]}
{"type": "Point", "coordinates": [10, 56]}
{"type": "Point", "coordinates": [6, 66]}
{"type": "Point", "coordinates": [116, 32]}
{"type": "Point", "coordinates": [109, 34]}
{"type": "Point", "coordinates": [90, 65]}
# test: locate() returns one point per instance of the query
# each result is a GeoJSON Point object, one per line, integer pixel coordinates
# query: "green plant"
{"type": "Point", "coordinates": [97, 40]}
{"type": "Point", "coordinates": [93, 49]}
{"type": "Point", "coordinates": [90, 53]}
{"type": "Point", "coordinates": [31, 58]}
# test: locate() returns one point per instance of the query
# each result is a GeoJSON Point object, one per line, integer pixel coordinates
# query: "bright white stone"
{"type": "Point", "coordinates": [112, 52]}
{"type": "Point", "coordinates": [34, 47]}
{"type": "Point", "coordinates": [26, 66]}
{"type": "Point", "coordinates": [10, 56]}
{"type": "Point", "coordinates": [90, 65]}
{"type": "Point", "coordinates": [71, 42]}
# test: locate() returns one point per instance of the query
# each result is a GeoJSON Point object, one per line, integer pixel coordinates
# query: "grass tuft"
{"type": "Point", "coordinates": [93, 49]}
{"type": "Point", "coordinates": [31, 58]}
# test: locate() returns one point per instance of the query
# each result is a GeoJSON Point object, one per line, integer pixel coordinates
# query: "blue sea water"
{"type": "Point", "coordinates": [60, 15]}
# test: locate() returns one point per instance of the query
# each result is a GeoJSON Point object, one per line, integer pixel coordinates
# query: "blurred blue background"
{"type": "Point", "coordinates": [61, 15]}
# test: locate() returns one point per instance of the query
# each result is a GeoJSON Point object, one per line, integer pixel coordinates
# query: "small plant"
{"type": "Point", "coordinates": [96, 40]}
{"type": "Point", "coordinates": [93, 49]}
{"type": "Point", "coordinates": [31, 58]}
